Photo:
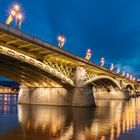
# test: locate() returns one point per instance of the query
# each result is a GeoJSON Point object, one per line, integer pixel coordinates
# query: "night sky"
{"type": "Point", "coordinates": [111, 28]}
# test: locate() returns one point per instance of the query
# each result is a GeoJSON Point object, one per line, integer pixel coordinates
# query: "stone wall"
{"type": "Point", "coordinates": [112, 95]}
{"type": "Point", "coordinates": [56, 96]}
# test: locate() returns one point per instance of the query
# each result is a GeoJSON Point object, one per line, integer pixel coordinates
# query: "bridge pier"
{"type": "Point", "coordinates": [74, 96]}
{"type": "Point", "coordinates": [56, 96]}
{"type": "Point", "coordinates": [132, 94]}
{"type": "Point", "coordinates": [83, 95]}
{"type": "Point", "coordinates": [44, 96]}
{"type": "Point", "coordinates": [111, 95]}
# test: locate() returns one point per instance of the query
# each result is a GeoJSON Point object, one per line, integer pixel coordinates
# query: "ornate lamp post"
{"type": "Point", "coordinates": [61, 41]}
{"type": "Point", "coordinates": [118, 70]}
{"type": "Point", "coordinates": [112, 67]}
{"type": "Point", "coordinates": [131, 77]}
{"type": "Point", "coordinates": [88, 54]}
{"type": "Point", "coordinates": [16, 16]}
{"type": "Point", "coordinates": [127, 75]}
{"type": "Point", "coordinates": [123, 74]}
{"type": "Point", "coordinates": [102, 61]}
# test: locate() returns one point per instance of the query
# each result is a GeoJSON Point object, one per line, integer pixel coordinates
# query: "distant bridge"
{"type": "Point", "coordinates": [50, 75]}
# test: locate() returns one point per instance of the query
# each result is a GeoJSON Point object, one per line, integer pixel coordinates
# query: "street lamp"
{"type": "Point", "coordinates": [112, 67]}
{"type": "Point", "coordinates": [17, 7]}
{"type": "Point", "coordinates": [127, 75]}
{"type": "Point", "coordinates": [16, 16]}
{"type": "Point", "coordinates": [61, 41]}
{"type": "Point", "coordinates": [123, 74]}
{"type": "Point", "coordinates": [102, 61]}
{"type": "Point", "coordinates": [13, 13]}
{"type": "Point", "coordinates": [131, 77]}
{"type": "Point", "coordinates": [88, 54]}
{"type": "Point", "coordinates": [118, 70]}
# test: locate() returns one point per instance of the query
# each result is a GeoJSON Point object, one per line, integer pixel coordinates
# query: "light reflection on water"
{"type": "Point", "coordinates": [111, 120]}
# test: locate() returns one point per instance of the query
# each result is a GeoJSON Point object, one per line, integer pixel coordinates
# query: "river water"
{"type": "Point", "coordinates": [110, 120]}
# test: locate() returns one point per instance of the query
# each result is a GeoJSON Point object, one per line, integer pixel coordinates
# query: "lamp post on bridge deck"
{"type": "Point", "coordinates": [16, 16]}
{"type": "Point", "coordinates": [61, 41]}
{"type": "Point", "coordinates": [88, 54]}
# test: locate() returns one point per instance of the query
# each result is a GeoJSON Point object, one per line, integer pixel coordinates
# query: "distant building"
{"type": "Point", "coordinates": [8, 86]}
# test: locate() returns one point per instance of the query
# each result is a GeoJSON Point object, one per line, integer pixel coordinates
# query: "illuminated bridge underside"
{"type": "Point", "coordinates": [28, 70]}
{"type": "Point", "coordinates": [26, 74]}
{"type": "Point", "coordinates": [50, 75]}
{"type": "Point", "coordinates": [104, 82]}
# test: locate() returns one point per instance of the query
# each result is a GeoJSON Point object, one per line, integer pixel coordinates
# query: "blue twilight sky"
{"type": "Point", "coordinates": [111, 28]}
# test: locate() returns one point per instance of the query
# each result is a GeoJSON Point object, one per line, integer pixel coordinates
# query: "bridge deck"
{"type": "Point", "coordinates": [25, 43]}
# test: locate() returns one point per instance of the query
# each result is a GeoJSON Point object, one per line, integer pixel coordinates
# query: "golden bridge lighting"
{"type": "Point", "coordinates": [102, 61]}
{"type": "Point", "coordinates": [61, 41]}
{"type": "Point", "coordinates": [15, 16]}
{"type": "Point", "coordinates": [112, 67]}
{"type": "Point", "coordinates": [88, 54]}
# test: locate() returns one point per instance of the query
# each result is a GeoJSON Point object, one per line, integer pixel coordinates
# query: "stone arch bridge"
{"type": "Point", "coordinates": [49, 75]}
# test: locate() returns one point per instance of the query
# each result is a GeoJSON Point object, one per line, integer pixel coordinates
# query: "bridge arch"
{"type": "Point", "coordinates": [104, 80]}
{"type": "Point", "coordinates": [18, 67]}
{"type": "Point", "coordinates": [130, 88]}
{"type": "Point", "coordinates": [106, 87]}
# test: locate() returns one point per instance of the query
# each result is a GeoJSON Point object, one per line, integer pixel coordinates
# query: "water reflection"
{"type": "Point", "coordinates": [104, 122]}
{"type": "Point", "coordinates": [110, 120]}
{"type": "Point", "coordinates": [50, 121]}
{"type": "Point", "coordinates": [8, 104]}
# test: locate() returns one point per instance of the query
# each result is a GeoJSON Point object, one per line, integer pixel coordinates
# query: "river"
{"type": "Point", "coordinates": [110, 120]}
